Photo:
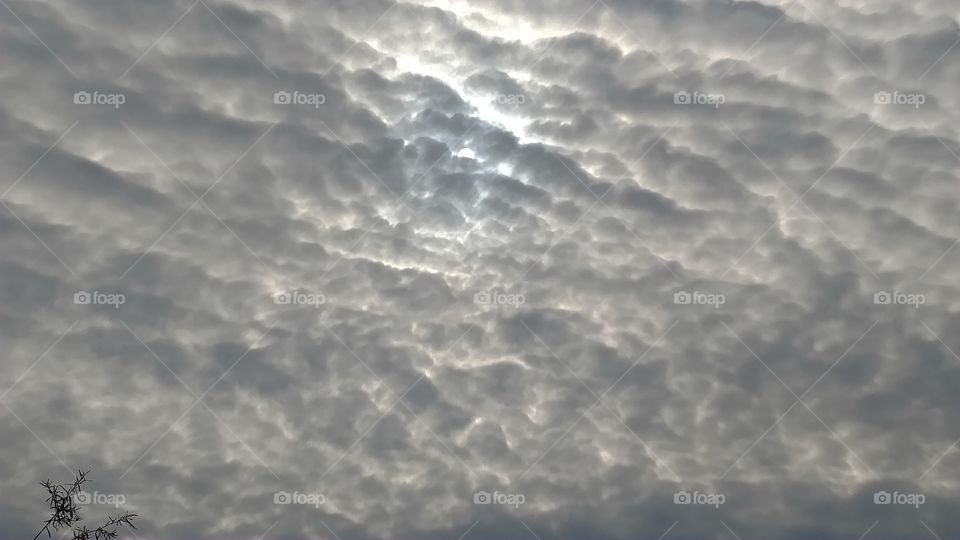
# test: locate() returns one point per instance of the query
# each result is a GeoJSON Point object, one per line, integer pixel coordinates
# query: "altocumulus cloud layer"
{"type": "Point", "coordinates": [472, 270]}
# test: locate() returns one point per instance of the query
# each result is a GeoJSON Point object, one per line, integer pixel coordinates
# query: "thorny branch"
{"type": "Point", "coordinates": [65, 513]}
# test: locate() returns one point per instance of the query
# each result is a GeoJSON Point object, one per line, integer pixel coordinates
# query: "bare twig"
{"type": "Point", "coordinates": [65, 513]}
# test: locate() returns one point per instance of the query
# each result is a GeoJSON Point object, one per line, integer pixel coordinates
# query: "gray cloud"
{"type": "Point", "coordinates": [587, 255]}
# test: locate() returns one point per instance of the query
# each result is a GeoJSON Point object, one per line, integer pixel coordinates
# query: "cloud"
{"type": "Point", "coordinates": [700, 247]}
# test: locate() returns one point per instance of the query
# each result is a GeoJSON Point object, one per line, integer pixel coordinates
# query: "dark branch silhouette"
{"type": "Point", "coordinates": [65, 513]}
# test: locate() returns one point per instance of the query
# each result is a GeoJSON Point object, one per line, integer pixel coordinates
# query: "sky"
{"type": "Point", "coordinates": [469, 270]}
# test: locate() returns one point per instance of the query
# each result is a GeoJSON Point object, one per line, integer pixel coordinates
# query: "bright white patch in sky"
{"type": "Point", "coordinates": [467, 153]}
{"type": "Point", "coordinates": [484, 104]}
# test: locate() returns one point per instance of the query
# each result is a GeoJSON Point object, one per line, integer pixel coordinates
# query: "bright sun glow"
{"type": "Point", "coordinates": [483, 103]}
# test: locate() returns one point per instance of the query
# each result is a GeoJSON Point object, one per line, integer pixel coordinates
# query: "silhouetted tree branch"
{"type": "Point", "coordinates": [64, 512]}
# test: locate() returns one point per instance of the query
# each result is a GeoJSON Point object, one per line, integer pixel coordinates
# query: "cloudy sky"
{"type": "Point", "coordinates": [498, 269]}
